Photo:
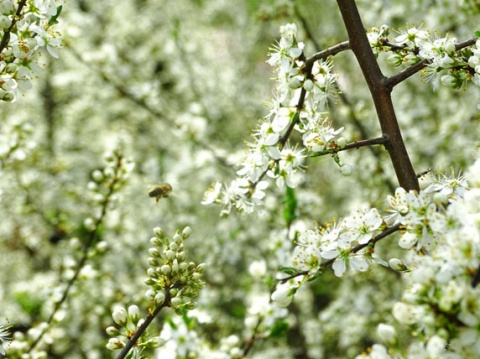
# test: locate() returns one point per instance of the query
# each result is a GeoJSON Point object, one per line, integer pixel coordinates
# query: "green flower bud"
{"type": "Point", "coordinates": [119, 315]}
{"type": "Point", "coordinates": [176, 301]}
{"type": "Point", "coordinates": [111, 330]}
{"type": "Point", "coordinates": [159, 298]}
{"type": "Point", "coordinates": [187, 231]}
{"type": "Point", "coordinates": [133, 313]}
{"type": "Point", "coordinates": [157, 342]}
{"type": "Point", "coordinates": [166, 269]}
{"type": "Point", "coordinates": [158, 232]}
{"type": "Point", "coordinates": [177, 238]}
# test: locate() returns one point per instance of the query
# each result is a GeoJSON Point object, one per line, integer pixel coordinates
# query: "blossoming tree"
{"type": "Point", "coordinates": [348, 227]}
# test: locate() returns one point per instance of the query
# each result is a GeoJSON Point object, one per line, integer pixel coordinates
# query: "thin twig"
{"type": "Point", "coordinates": [349, 146]}
{"type": "Point", "coordinates": [381, 95]}
{"type": "Point", "coordinates": [251, 341]}
{"type": "Point", "coordinates": [331, 51]}
{"type": "Point", "coordinates": [85, 252]}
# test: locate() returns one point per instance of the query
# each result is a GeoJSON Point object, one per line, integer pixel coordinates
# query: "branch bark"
{"type": "Point", "coordinates": [381, 94]}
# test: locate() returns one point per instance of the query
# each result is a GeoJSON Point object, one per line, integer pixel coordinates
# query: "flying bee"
{"type": "Point", "coordinates": [421, 174]}
{"type": "Point", "coordinates": [161, 190]}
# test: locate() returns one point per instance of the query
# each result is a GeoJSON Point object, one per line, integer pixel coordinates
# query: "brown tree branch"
{"type": "Point", "coordinates": [331, 51]}
{"type": "Point", "coordinates": [381, 94]}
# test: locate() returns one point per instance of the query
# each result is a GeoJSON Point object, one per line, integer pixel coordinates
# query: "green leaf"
{"type": "Point", "coordinates": [53, 20]}
{"type": "Point", "coordinates": [288, 270]}
{"type": "Point", "coordinates": [29, 303]}
{"type": "Point", "coordinates": [477, 33]}
{"type": "Point", "coordinates": [314, 277]}
{"type": "Point", "coordinates": [290, 209]}
{"type": "Point", "coordinates": [279, 329]}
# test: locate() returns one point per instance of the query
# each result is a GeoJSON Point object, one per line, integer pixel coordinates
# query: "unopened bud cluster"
{"type": "Point", "coordinates": [171, 277]}
{"type": "Point", "coordinates": [128, 321]}
{"type": "Point", "coordinates": [106, 182]}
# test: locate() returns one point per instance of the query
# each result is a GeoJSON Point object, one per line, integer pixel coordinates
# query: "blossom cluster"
{"type": "Point", "coordinates": [439, 228]}
{"type": "Point", "coordinates": [337, 241]}
{"type": "Point", "coordinates": [303, 88]}
{"type": "Point", "coordinates": [446, 64]}
{"type": "Point", "coordinates": [441, 296]}
{"type": "Point", "coordinates": [26, 31]}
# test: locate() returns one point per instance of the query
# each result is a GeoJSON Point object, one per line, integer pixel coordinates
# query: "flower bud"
{"type": "Point", "coordinates": [114, 344]}
{"type": "Point", "coordinates": [97, 175]}
{"type": "Point", "coordinates": [283, 296]}
{"type": "Point", "coordinates": [119, 315]}
{"type": "Point", "coordinates": [111, 330]}
{"type": "Point", "coordinates": [294, 83]}
{"type": "Point", "coordinates": [342, 142]}
{"type": "Point", "coordinates": [150, 295]}
{"type": "Point", "coordinates": [387, 333]}
{"type": "Point", "coordinates": [308, 85]}
{"type": "Point", "coordinates": [89, 224]}
{"type": "Point", "coordinates": [166, 269]}
{"type": "Point", "coordinates": [158, 232]}
{"type": "Point", "coordinates": [133, 313]}
{"type": "Point", "coordinates": [159, 298]}
{"type": "Point", "coordinates": [157, 342]}
{"type": "Point", "coordinates": [201, 268]}
{"type": "Point", "coordinates": [187, 231]}
{"type": "Point", "coordinates": [346, 170]}
{"type": "Point", "coordinates": [181, 256]}
{"type": "Point", "coordinates": [154, 241]}
{"type": "Point", "coordinates": [177, 238]}
{"type": "Point", "coordinates": [176, 301]}
{"type": "Point", "coordinates": [397, 264]}
{"type": "Point", "coordinates": [236, 353]}
{"type": "Point", "coordinates": [11, 68]}
{"type": "Point", "coordinates": [153, 262]}
{"type": "Point", "coordinates": [170, 254]}
{"type": "Point", "coordinates": [154, 252]}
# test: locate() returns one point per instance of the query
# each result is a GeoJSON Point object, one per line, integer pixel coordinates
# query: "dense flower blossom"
{"type": "Point", "coordinates": [271, 153]}
{"type": "Point", "coordinates": [445, 65]}
{"type": "Point", "coordinates": [432, 234]}
{"type": "Point", "coordinates": [29, 32]}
